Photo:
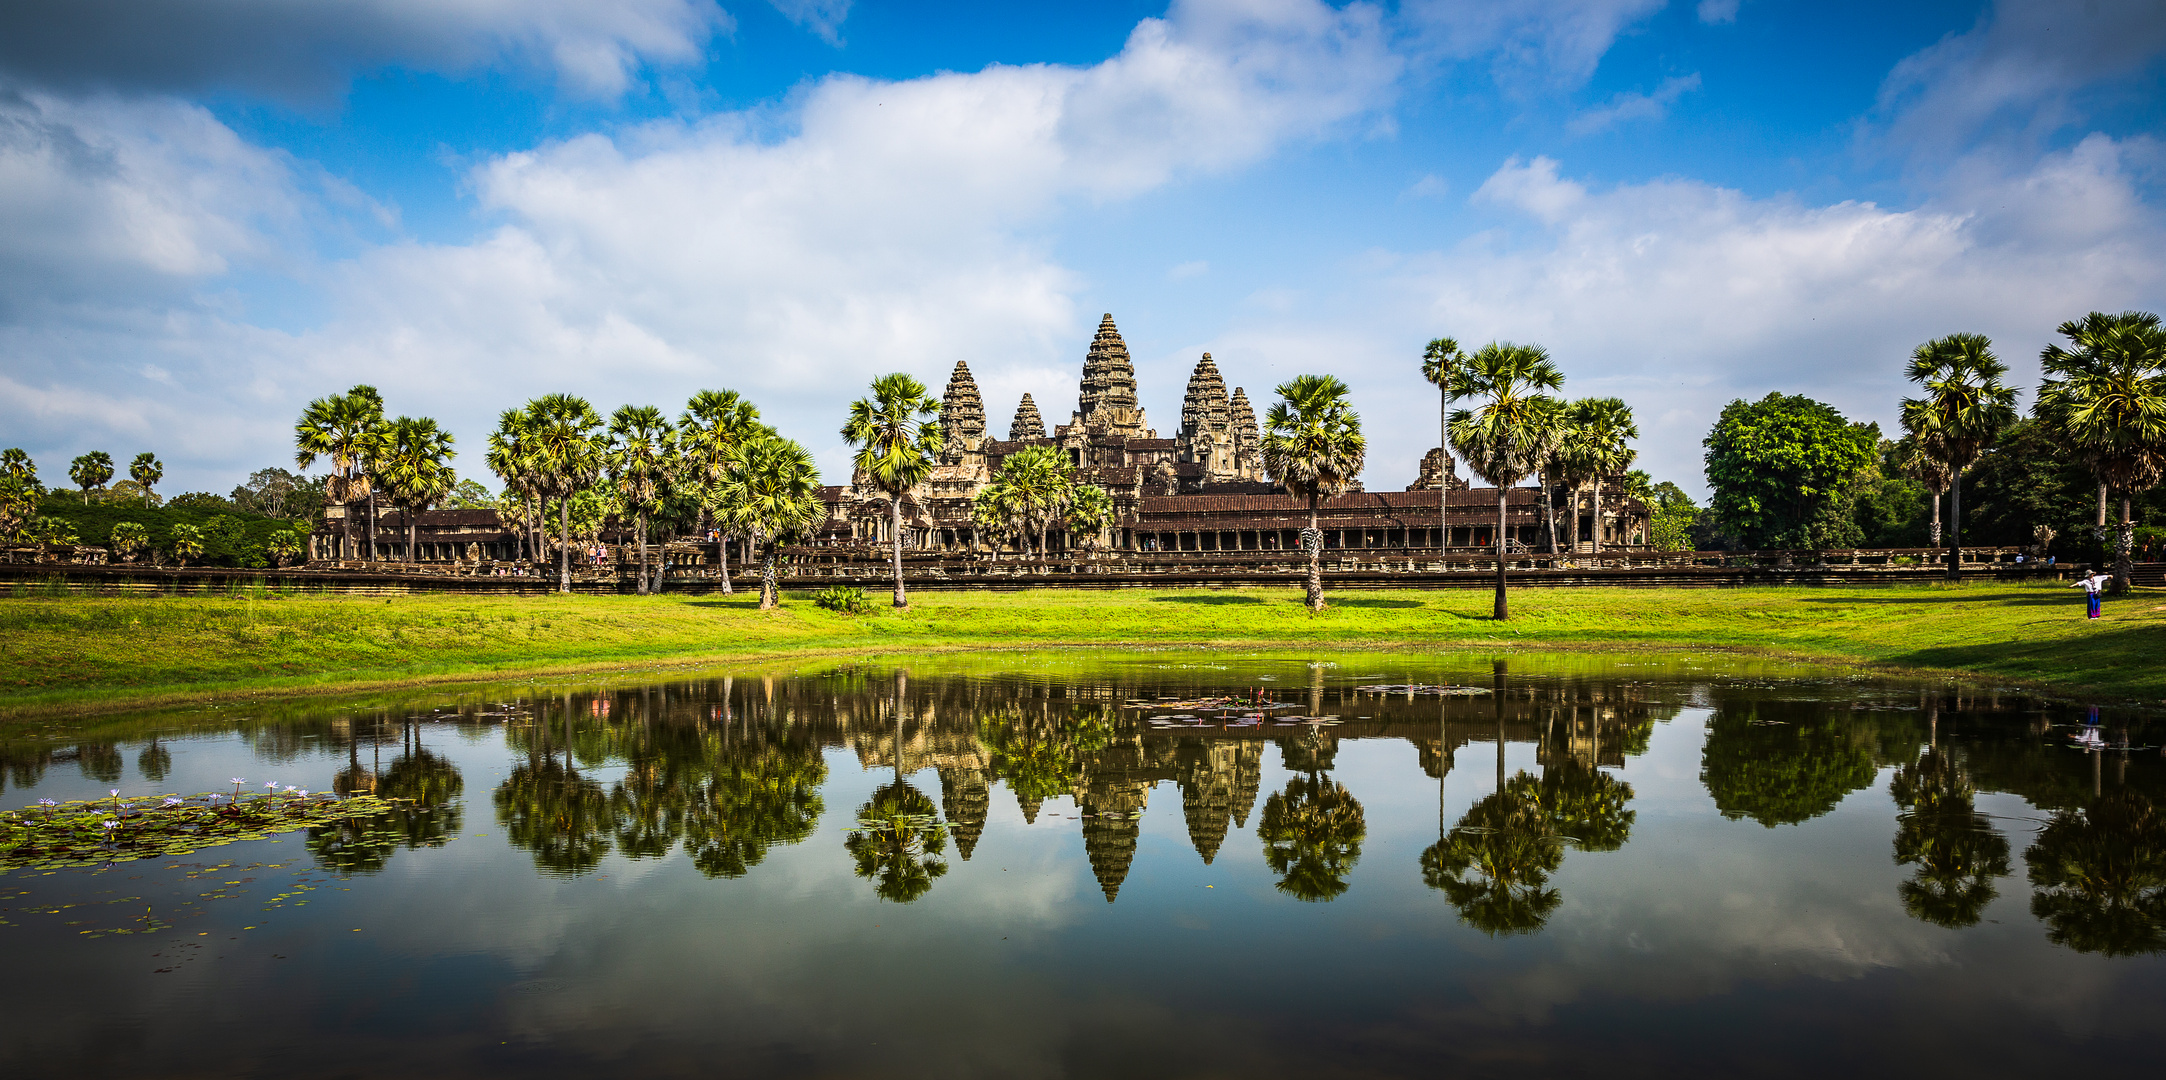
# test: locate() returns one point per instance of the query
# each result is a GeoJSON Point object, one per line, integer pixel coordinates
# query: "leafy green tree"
{"type": "Point", "coordinates": [715, 423]}
{"type": "Point", "coordinates": [2106, 399]}
{"type": "Point", "coordinates": [1777, 464]}
{"type": "Point", "coordinates": [1780, 765]}
{"type": "Point", "coordinates": [91, 471]}
{"type": "Point", "coordinates": [147, 471]}
{"type": "Point", "coordinates": [412, 460]}
{"type": "Point", "coordinates": [20, 491]}
{"type": "Point", "coordinates": [1312, 834]}
{"type": "Point", "coordinates": [469, 495]}
{"type": "Point", "coordinates": [771, 494]}
{"type": "Point", "coordinates": [643, 463]}
{"type": "Point", "coordinates": [1512, 430]}
{"type": "Point", "coordinates": [1907, 458]}
{"type": "Point", "coordinates": [187, 543]}
{"type": "Point", "coordinates": [2098, 876]}
{"type": "Point", "coordinates": [286, 545]}
{"type": "Point", "coordinates": [128, 539]}
{"type": "Point", "coordinates": [339, 429]}
{"type": "Point", "coordinates": [1956, 850]}
{"type": "Point", "coordinates": [1674, 516]}
{"type": "Point", "coordinates": [1963, 409]}
{"type": "Point", "coordinates": [565, 435]}
{"type": "Point", "coordinates": [1313, 447]}
{"type": "Point", "coordinates": [898, 441]}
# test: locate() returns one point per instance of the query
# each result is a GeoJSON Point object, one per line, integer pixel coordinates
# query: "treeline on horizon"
{"type": "Point", "coordinates": [2073, 477]}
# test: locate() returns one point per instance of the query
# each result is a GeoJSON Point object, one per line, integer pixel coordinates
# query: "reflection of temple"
{"type": "Point", "coordinates": [1203, 490]}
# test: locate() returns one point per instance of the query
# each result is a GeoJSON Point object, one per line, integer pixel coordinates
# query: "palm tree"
{"type": "Point", "coordinates": [770, 493]}
{"type": "Point", "coordinates": [1313, 447]}
{"type": "Point", "coordinates": [336, 428]}
{"type": "Point", "coordinates": [187, 543]}
{"type": "Point", "coordinates": [1965, 407]}
{"type": "Point", "coordinates": [127, 538]}
{"type": "Point", "coordinates": [1506, 439]}
{"type": "Point", "coordinates": [372, 404]}
{"type": "Point", "coordinates": [1089, 513]}
{"type": "Point", "coordinates": [509, 457]}
{"type": "Point", "coordinates": [1604, 430]}
{"type": "Point", "coordinates": [412, 458]}
{"type": "Point", "coordinates": [1033, 487]}
{"type": "Point", "coordinates": [19, 491]}
{"type": "Point", "coordinates": [566, 434]}
{"type": "Point", "coordinates": [1438, 362]}
{"type": "Point", "coordinates": [998, 511]}
{"type": "Point", "coordinates": [1911, 460]}
{"type": "Point", "coordinates": [2106, 398]}
{"type": "Point", "coordinates": [643, 463]}
{"type": "Point", "coordinates": [715, 423]}
{"type": "Point", "coordinates": [897, 447]}
{"type": "Point", "coordinates": [90, 471]}
{"type": "Point", "coordinates": [146, 470]}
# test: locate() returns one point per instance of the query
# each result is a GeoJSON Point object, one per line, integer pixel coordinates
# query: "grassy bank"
{"type": "Point", "coordinates": [80, 654]}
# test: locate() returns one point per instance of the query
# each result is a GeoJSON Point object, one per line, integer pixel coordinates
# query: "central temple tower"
{"type": "Point", "coordinates": [1107, 405]}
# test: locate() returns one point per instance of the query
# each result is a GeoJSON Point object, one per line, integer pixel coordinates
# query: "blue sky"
{"type": "Point", "coordinates": [212, 211]}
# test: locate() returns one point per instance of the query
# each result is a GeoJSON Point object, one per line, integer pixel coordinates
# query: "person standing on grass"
{"type": "Point", "coordinates": [2091, 583]}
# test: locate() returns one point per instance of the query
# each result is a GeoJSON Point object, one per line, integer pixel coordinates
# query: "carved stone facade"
{"type": "Point", "coordinates": [1211, 433]}
{"type": "Point", "coordinates": [1438, 471]}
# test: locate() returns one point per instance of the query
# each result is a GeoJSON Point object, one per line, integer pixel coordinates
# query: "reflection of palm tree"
{"type": "Point", "coordinates": [2098, 876]}
{"type": "Point", "coordinates": [897, 844]}
{"type": "Point", "coordinates": [1312, 834]}
{"type": "Point", "coordinates": [769, 797]}
{"type": "Point", "coordinates": [1495, 865]}
{"type": "Point", "coordinates": [154, 761]}
{"type": "Point", "coordinates": [428, 787]}
{"type": "Point", "coordinates": [1957, 851]}
{"type": "Point", "coordinates": [1586, 806]}
{"type": "Point", "coordinates": [559, 815]}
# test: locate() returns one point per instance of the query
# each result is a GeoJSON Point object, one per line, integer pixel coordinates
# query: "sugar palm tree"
{"type": "Point", "coordinates": [998, 511]}
{"type": "Point", "coordinates": [1512, 431]}
{"type": "Point", "coordinates": [1604, 430]}
{"type": "Point", "coordinates": [1913, 461]}
{"type": "Point", "coordinates": [511, 458]}
{"type": "Point", "coordinates": [146, 470]}
{"type": "Point", "coordinates": [337, 428]}
{"type": "Point", "coordinates": [771, 494]}
{"type": "Point", "coordinates": [566, 434]}
{"type": "Point", "coordinates": [715, 423]}
{"type": "Point", "coordinates": [897, 446]}
{"type": "Point", "coordinates": [1965, 406]}
{"type": "Point", "coordinates": [371, 403]}
{"type": "Point", "coordinates": [128, 538]}
{"type": "Point", "coordinates": [643, 463]}
{"type": "Point", "coordinates": [19, 491]}
{"type": "Point", "coordinates": [412, 459]}
{"type": "Point", "coordinates": [2106, 399]}
{"type": "Point", "coordinates": [1438, 362]}
{"type": "Point", "coordinates": [1088, 514]}
{"type": "Point", "coordinates": [187, 543]}
{"type": "Point", "coordinates": [91, 471]}
{"type": "Point", "coordinates": [1313, 447]}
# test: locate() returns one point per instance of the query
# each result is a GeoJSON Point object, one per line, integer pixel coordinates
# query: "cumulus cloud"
{"type": "Point", "coordinates": [1632, 105]}
{"type": "Point", "coordinates": [307, 49]}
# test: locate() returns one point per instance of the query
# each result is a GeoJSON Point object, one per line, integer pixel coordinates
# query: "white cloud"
{"type": "Point", "coordinates": [1631, 105]}
{"type": "Point", "coordinates": [2016, 72]}
{"type": "Point", "coordinates": [309, 48]}
{"type": "Point", "coordinates": [1545, 42]}
{"type": "Point", "coordinates": [1717, 12]}
{"type": "Point", "coordinates": [1192, 268]}
{"type": "Point", "coordinates": [822, 17]}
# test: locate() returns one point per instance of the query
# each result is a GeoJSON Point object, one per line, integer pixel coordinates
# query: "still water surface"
{"type": "Point", "coordinates": [1022, 865]}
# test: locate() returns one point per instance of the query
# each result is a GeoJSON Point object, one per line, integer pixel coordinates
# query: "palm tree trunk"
{"type": "Point", "coordinates": [2124, 542]}
{"type": "Point", "coordinates": [410, 535]}
{"type": "Point", "coordinates": [1596, 531]}
{"type": "Point", "coordinates": [640, 520]}
{"type": "Point", "coordinates": [1935, 528]}
{"type": "Point", "coordinates": [1549, 512]}
{"type": "Point", "coordinates": [372, 519]}
{"type": "Point", "coordinates": [1316, 556]}
{"type": "Point", "coordinates": [564, 545]}
{"type": "Point", "coordinates": [1502, 611]}
{"type": "Point", "coordinates": [1443, 481]}
{"type": "Point", "coordinates": [894, 503]}
{"type": "Point", "coordinates": [345, 528]}
{"type": "Point", "coordinates": [1955, 528]}
{"type": "Point", "coordinates": [770, 596]}
{"type": "Point", "coordinates": [722, 554]}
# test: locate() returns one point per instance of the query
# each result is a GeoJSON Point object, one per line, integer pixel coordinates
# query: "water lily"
{"type": "Point", "coordinates": [172, 800]}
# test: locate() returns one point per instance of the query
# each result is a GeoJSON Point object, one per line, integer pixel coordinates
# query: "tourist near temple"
{"type": "Point", "coordinates": [1202, 491]}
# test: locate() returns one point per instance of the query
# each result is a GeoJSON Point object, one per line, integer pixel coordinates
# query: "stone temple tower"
{"type": "Point", "coordinates": [1247, 455]}
{"type": "Point", "coordinates": [1027, 424]}
{"type": "Point", "coordinates": [1207, 431]}
{"type": "Point", "coordinates": [962, 416]}
{"type": "Point", "coordinates": [1107, 405]}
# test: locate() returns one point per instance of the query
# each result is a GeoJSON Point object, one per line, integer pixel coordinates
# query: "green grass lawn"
{"type": "Point", "coordinates": [67, 655]}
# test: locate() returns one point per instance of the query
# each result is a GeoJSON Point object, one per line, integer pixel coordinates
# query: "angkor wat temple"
{"type": "Point", "coordinates": [1202, 490]}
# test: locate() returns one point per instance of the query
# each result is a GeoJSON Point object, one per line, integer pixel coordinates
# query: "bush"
{"type": "Point", "coordinates": [843, 598]}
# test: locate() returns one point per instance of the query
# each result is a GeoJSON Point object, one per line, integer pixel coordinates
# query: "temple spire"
{"type": "Point", "coordinates": [1027, 423]}
{"type": "Point", "coordinates": [962, 415]}
{"type": "Point", "coordinates": [1107, 403]}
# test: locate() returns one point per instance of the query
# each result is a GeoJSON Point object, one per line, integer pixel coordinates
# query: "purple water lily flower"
{"type": "Point", "coordinates": [173, 800]}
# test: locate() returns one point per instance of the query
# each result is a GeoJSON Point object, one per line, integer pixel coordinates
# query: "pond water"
{"type": "Point", "coordinates": [1080, 865]}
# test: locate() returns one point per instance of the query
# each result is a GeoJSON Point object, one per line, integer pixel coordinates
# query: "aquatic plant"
{"type": "Point", "coordinates": [96, 832]}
